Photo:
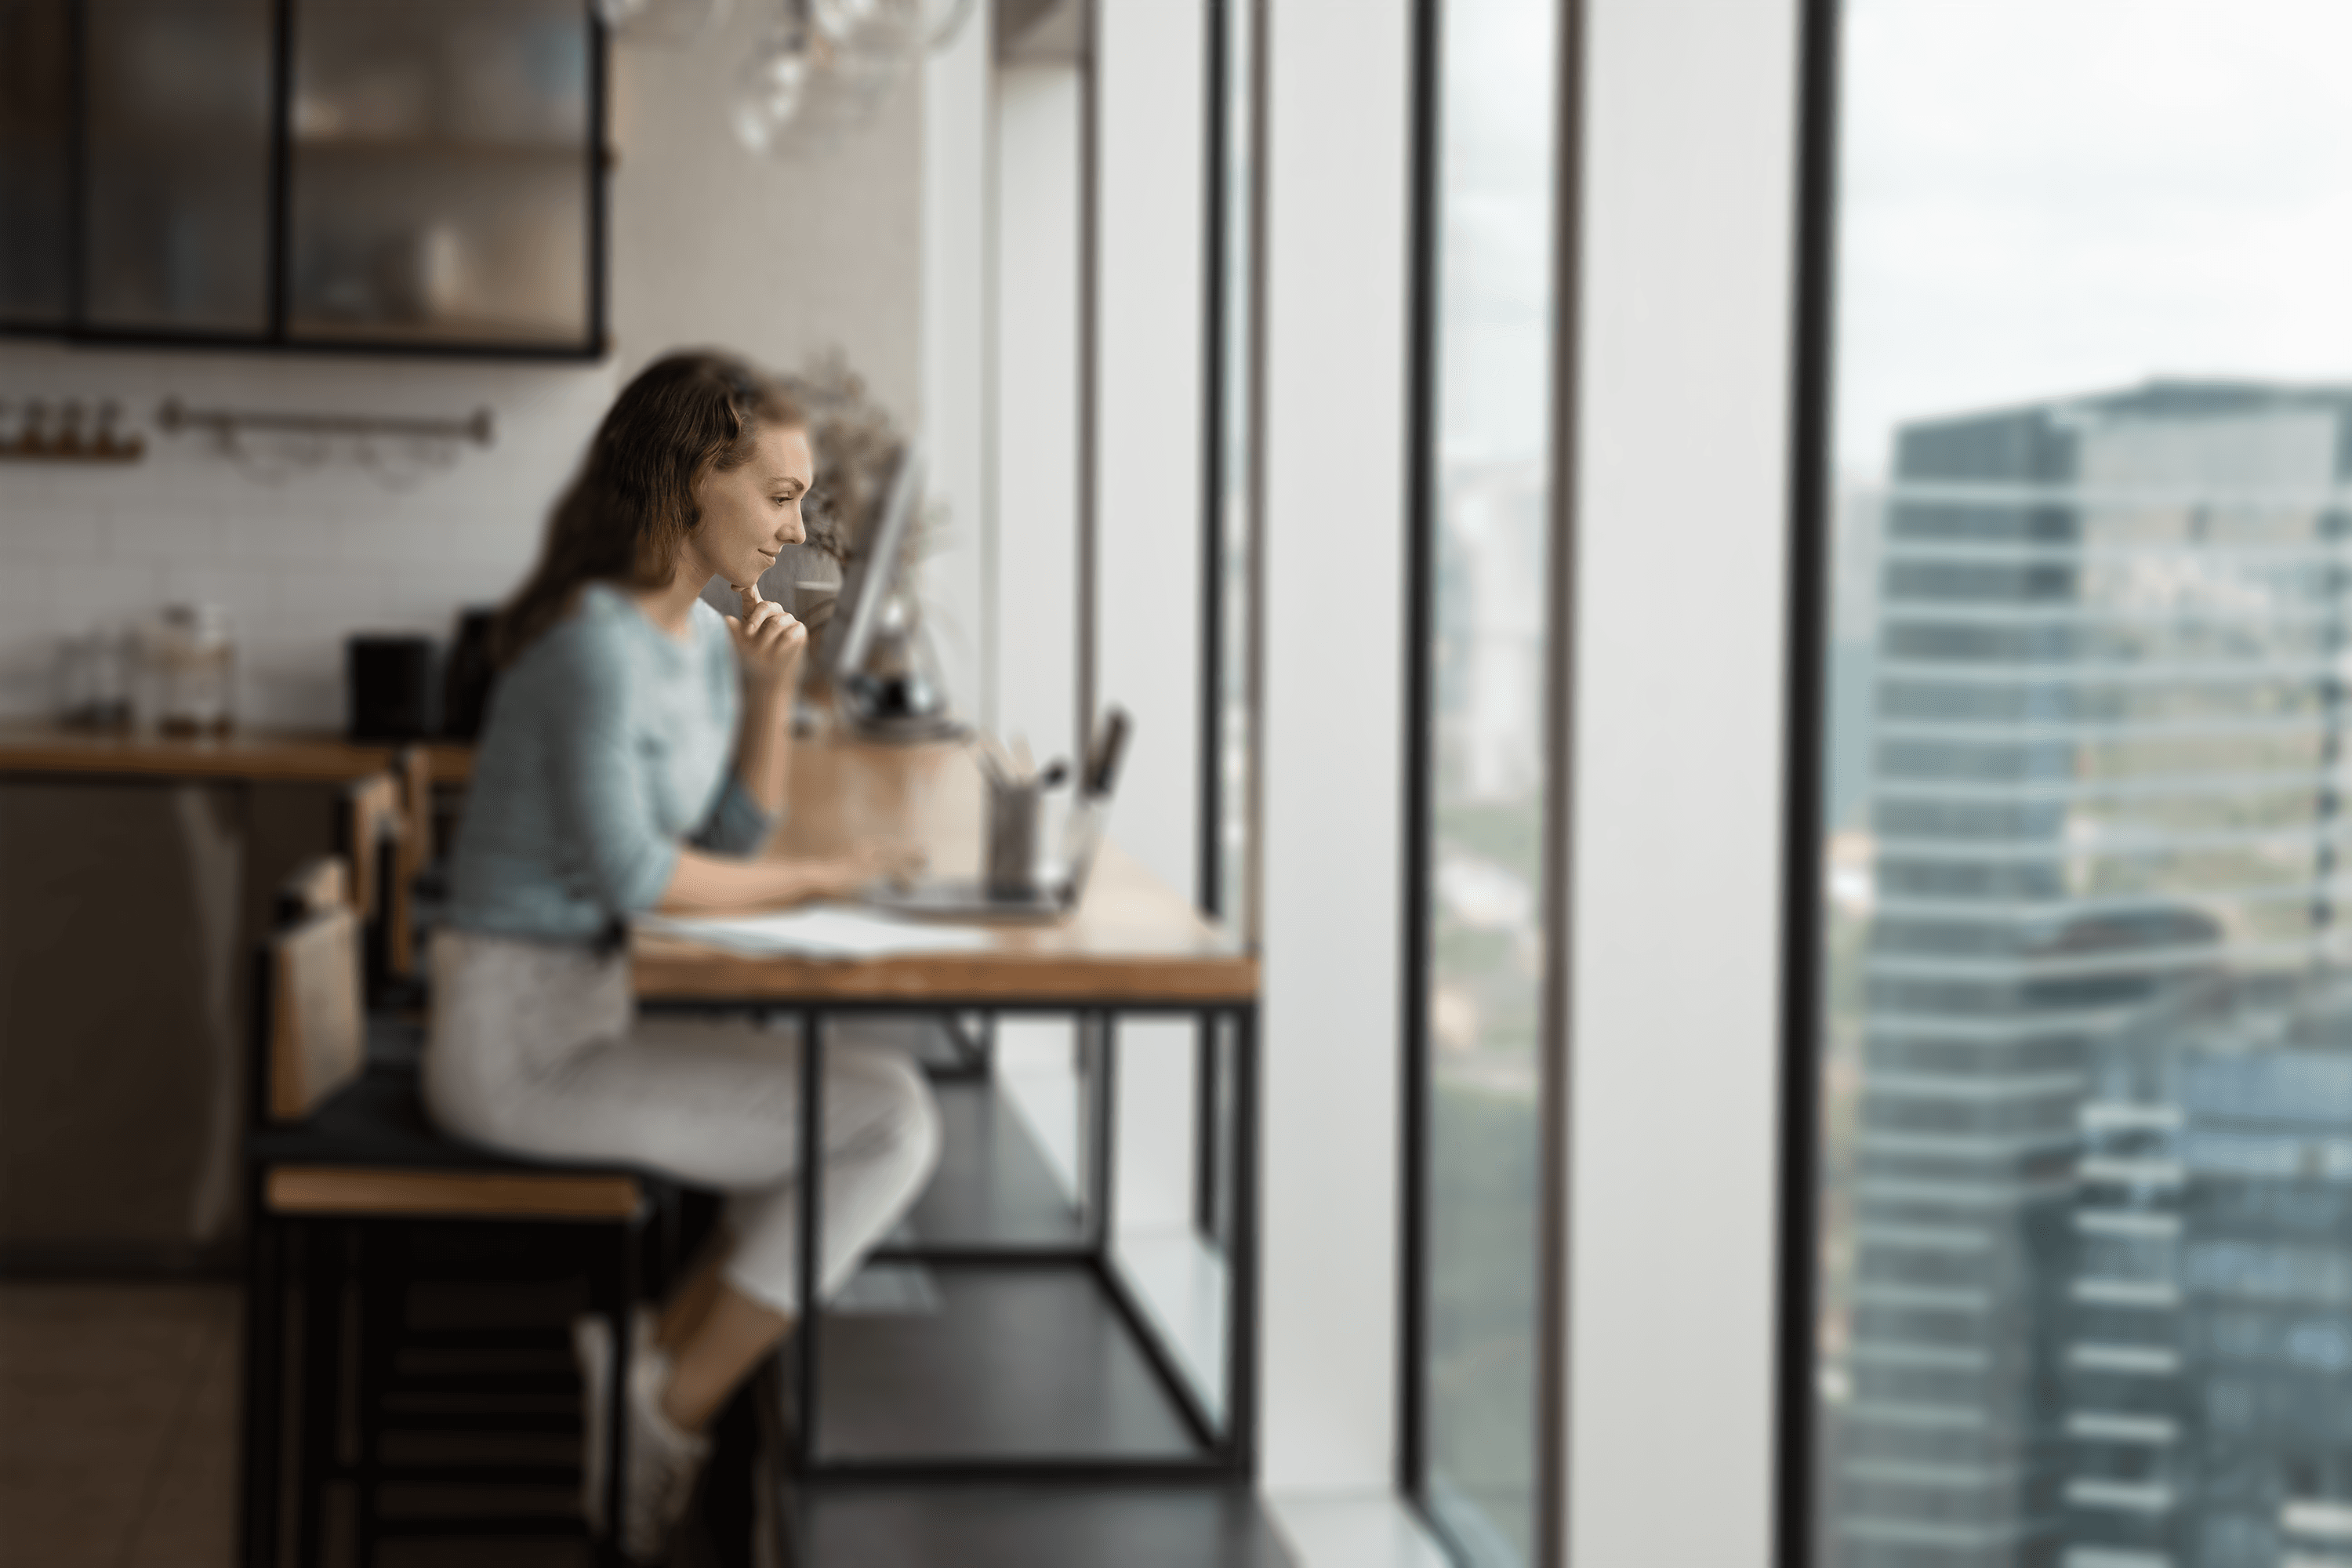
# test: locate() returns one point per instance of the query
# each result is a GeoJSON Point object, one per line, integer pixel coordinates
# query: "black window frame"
{"type": "Point", "coordinates": [1213, 1215]}
{"type": "Point", "coordinates": [1797, 1471]}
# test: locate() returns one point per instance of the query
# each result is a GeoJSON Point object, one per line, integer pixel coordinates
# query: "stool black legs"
{"type": "Point", "coordinates": [812, 1198]}
{"type": "Point", "coordinates": [264, 1385]}
{"type": "Point", "coordinates": [351, 1334]}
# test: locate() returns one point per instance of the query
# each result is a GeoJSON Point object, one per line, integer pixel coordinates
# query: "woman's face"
{"type": "Point", "coordinates": [752, 511]}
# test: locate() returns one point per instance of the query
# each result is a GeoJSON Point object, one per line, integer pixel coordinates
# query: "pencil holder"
{"type": "Point", "coordinates": [1012, 867]}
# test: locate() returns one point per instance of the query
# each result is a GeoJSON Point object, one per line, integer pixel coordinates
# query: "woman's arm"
{"type": "Point", "coordinates": [763, 745]}
{"type": "Point", "coordinates": [705, 884]}
{"type": "Point", "coordinates": [769, 644]}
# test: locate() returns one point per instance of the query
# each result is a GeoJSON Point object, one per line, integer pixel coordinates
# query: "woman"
{"type": "Point", "coordinates": [632, 758]}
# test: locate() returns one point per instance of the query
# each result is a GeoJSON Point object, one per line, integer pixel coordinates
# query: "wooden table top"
{"type": "Point", "coordinates": [1132, 939]}
{"type": "Point", "coordinates": [250, 756]}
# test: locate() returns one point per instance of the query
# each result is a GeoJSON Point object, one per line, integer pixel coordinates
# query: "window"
{"type": "Point", "coordinates": [2080, 1296]}
{"type": "Point", "coordinates": [1491, 135]}
{"type": "Point", "coordinates": [1230, 383]}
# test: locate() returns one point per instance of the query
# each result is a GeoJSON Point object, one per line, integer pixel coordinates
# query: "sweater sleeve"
{"type": "Point", "coordinates": [598, 792]}
{"type": "Point", "coordinates": [736, 824]}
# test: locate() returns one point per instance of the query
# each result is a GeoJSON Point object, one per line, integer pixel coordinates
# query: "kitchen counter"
{"type": "Point", "coordinates": [252, 756]}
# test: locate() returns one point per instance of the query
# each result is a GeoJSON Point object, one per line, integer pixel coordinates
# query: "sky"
{"type": "Point", "coordinates": [1495, 264]}
{"type": "Point", "coordinates": [2043, 197]}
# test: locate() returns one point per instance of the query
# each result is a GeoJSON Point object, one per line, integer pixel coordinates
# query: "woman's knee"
{"type": "Point", "coordinates": [905, 1119]}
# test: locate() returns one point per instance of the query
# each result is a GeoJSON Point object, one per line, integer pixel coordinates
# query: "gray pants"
{"type": "Point", "coordinates": [536, 1049]}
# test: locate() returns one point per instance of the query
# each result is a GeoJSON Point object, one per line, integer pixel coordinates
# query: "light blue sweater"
{"type": "Point", "coordinates": [605, 744]}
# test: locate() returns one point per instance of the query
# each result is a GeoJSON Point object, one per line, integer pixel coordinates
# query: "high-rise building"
{"type": "Point", "coordinates": [2209, 1351]}
{"type": "Point", "coordinates": [2107, 762]}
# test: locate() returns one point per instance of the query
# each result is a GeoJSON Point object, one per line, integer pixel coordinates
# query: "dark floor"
{"type": "Point", "coordinates": [118, 1418]}
{"type": "Point", "coordinates": [1003, 1363]}
{"type": "Point", "coordinates": [119, 1411]}
{"type": "Point", "coordinates": [118, 1404]}
{"type": "Point", "coordinates": [1015, 1527]}
{"type": "Point", "coordinates": [1011, 1364]}
{"type": "Point", "coordinates": [117, 1415]}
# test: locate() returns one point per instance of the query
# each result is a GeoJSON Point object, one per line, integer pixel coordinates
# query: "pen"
{"type": "Point", "coordinates": [984, 753]}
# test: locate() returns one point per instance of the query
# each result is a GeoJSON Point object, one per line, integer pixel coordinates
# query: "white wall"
{"type": "Point", "coordinates": [1030, 641]}
{"type": "Point", "coordinates": [1034, 617]}
{"type": "Point", "coordinates": [708, 245]}
{"type": "Point", "coordinates": [957, 141]}
{"type": "Point", "coordinates": [1148, 56]}
{"type": "Point", "coordinates": [1148, 60]}
{"type": "Point", "coordinates": [1333, 425]}
{"type": "Point", "coordinates": [779, 258]}
{"type": "Point", "coordinates": [1681, 545]}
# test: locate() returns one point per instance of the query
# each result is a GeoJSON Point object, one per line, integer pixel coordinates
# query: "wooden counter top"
{"type": "Point", "coordinates": [261, 756]}
{"type": "Point", "coordinates": [1132, 939]}
{"type": "Point", "coordinates": [1133, 936]}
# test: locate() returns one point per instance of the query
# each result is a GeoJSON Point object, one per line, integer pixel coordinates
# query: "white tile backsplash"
{"type": "Point", "coordinates": [300, 555]}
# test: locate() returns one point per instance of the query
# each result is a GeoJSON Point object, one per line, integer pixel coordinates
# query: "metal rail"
{"type": "Point", "coordinates": [175, 416]}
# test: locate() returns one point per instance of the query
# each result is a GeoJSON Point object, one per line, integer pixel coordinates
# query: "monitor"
{"type": "Point", "coordinates": [865, 586]}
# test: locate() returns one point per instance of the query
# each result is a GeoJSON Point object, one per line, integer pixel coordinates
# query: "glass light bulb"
{"type": "Point", "coordinates": [769, 90]}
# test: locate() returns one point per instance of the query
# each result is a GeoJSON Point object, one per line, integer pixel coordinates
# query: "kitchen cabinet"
{"type": "Point", "coordinates": [35, 139]}
{"type": "Point", "coordinates": [419, 176]}
{"type": "Point", "coordinates": [176, 160]}
{"type": "Point", "coordinates": [128, 912]}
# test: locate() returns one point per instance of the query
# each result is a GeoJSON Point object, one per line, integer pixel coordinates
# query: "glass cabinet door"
{"type": "Point", "coordinates": [441, 156]}
{"type": "Point", "coordinates": [35, 112]}
{"type": "Point", "coordinates": [176, 236]}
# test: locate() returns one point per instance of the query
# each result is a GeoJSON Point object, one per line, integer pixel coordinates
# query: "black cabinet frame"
{"type": "Point", "coordinates": [76, 328]}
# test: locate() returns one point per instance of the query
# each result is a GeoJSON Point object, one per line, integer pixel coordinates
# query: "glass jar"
{"type": "Point", "coordinates": [93, 680]}
{"type": "Point", "coordinates": [192, 670]}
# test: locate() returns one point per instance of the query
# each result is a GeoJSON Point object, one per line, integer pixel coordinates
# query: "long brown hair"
{"type": "Point", "coordinates": [629, 509]}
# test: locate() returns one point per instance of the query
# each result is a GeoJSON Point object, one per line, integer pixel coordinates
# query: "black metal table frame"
{"type": "Point", "coordinates": [1228, 1452]}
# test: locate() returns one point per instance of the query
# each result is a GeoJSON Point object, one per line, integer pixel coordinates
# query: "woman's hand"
{"type": "Point", "coordinates": [870, 861]}
{"type": "Point", "coordinates": [768, 641]}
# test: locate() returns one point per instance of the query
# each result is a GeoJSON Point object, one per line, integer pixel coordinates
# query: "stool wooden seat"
{"type": "Point", "coordinates": [368, 1148]}
{"type": "Point", "coordinates": [346, 1171]}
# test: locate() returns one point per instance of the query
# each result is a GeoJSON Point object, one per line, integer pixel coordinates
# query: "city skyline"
{"type": "Point", "coordinates": [2105, 728]}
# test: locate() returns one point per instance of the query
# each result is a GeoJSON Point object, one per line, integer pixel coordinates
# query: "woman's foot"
{"type": "Point", "coordinates": [591, 1346]}
{"type": "Point", "coordinates": [663, 1460]}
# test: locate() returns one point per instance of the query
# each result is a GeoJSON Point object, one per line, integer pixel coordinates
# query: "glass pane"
{"type": "Point", "coordinates": [1234, 460]}
{"type": "Point", "coordinates": [178, 132]}
{"type": "Point", "coordinates": [34, 121]}
{"type": "Point", "coordinates": [2087, 1076]}
{"type": "Point", "coordinates": [1496, 135]}
{"type": "Point", "coordinates": [440, 171]}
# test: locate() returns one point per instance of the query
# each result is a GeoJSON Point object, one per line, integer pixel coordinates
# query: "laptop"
{"type": "Point", "coordinates": [1058, 891]}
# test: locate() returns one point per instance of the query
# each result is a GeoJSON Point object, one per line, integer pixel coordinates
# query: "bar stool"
{"type": "Point", "coordinates": [350, 1191]}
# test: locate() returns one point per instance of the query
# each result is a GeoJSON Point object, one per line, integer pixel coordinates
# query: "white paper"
{"type": "Point", "coordinates": [815, 930]}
